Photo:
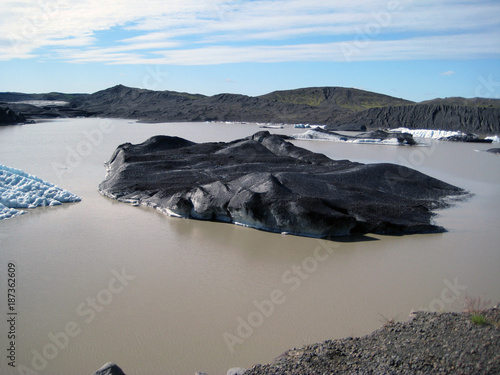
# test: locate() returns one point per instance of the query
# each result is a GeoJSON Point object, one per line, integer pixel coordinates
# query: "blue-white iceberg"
{"type": "Point", "coordinates": [19, 189]}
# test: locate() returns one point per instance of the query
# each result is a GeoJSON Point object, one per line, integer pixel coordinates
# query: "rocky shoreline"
{"type": "Point", "coordinates": [428, 343]}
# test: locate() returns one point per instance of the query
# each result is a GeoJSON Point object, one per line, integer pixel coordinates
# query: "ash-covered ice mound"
{"type": "Point", "coordinates": [265, 182]}
{"type": "Point", "coordinates": [19, 189]}
{"type": "Point", "coordinates": [377, 137]}
{"type": "Point", "coordinates": [443, 135]}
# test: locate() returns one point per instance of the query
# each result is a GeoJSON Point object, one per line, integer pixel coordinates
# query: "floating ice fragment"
{"type": "Point", "coordinates": [313, 135]}
{"type": "Point", "coordinates": [19, 189]}
{"type": "Point", "coordinates": [427, 133]}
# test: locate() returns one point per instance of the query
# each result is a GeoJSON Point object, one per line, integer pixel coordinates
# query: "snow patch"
{"type": "Point", "coordinates": [19, 189]}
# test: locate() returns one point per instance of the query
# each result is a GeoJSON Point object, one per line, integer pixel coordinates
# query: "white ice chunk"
{"type": "Point", "coordinates": [495, 138]}
{"type": "Point", "coordinates": [427, 133]}
{"type": "Point", "coordinates": [312, 135]}
{"type": "Point", "coordinates": [42, 103]}
{"type": "Point", "coordinates": [19, 189]}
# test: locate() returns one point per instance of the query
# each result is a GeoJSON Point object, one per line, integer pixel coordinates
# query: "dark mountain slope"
{"type": "Point", "coordinates": [127, 102]}
{"type": "Point", "coordinates": [121, 101]}
{"type": "Point", "coordinates": [323, 105]}
{"type": "Point", "coordinates": [429, 116]}
{"type": "Point", "coordinates": [472, 102]}
{"type": "Point", "coordinates": [315, 105]}
{"type": "Point", "coordinates": [18, 96]}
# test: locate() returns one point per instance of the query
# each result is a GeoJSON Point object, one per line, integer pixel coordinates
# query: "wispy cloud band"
{"type": "Point", "coordinates": [203, 32]}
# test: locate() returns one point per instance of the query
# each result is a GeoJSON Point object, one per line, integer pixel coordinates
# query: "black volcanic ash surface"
{"type": "Point", "coordinates": [265, 182]}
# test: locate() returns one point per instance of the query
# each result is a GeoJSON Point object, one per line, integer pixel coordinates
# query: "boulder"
{"type": "Point", "coordinates": [9, 117]}
{"type": "Point", "coordinates": [109, 369]}
{"type": "Point", "coordinates": [495, 150]}
{"type": "Point", "coordinates": [352, 127]}
{"type": "Point", "coordinates": [469, 137]}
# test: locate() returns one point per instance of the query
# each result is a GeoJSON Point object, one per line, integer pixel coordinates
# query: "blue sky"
{"type": "Point", "coordinates": [413, 49]}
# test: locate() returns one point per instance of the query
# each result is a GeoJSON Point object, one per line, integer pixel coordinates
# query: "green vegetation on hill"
{"type": "Point", "coordinates": [312, 98]}
{"type": "Point", "coordinates": [336, 97]}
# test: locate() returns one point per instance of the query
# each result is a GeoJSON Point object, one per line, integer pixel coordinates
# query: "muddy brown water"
{"type": "Point", "coordinates": [101, 281]}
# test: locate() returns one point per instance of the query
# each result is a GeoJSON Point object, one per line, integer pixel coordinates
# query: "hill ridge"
{"type": "Point", "coordinates": [342, 97]}
{"type": "Point", "coordinates": [327, 105]}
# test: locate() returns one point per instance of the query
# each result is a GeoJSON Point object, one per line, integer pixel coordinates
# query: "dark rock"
{"type": "Point", "coordinates": [265, 182]}
{"type": "Point", "coordinates": [374, 135]}
{"type": "Point", "coordinates": [109, 369]}
{"type": "Point", "coordinates": [469, 137]}
{"type": "Point", "coordinates": [402, 138]}
{"type": "Point", "coordinates": [346, 128]}
{"type": "Point", "coordinates": [493, 150]}
{"type": "Point", "coordinates": [9, 117]}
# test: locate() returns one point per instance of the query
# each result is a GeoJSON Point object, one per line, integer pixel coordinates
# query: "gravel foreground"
{"type": "Point", "coordinates": [428, 343]}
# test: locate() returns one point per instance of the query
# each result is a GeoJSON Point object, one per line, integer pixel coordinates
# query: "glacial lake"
{"type": "Point", "coordinates": [100, 281]}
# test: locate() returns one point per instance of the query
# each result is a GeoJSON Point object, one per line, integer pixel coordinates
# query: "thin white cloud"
{"type": "Point", "coordinates": [222, 31]}
{"type": "Point", "coordinates": [448, 73]}
{"type": "Point", "coordinates": [447, 47]}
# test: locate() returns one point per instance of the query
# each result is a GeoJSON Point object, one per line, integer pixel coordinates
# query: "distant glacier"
{"type": "Point", "coordinates": [19, 189]}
